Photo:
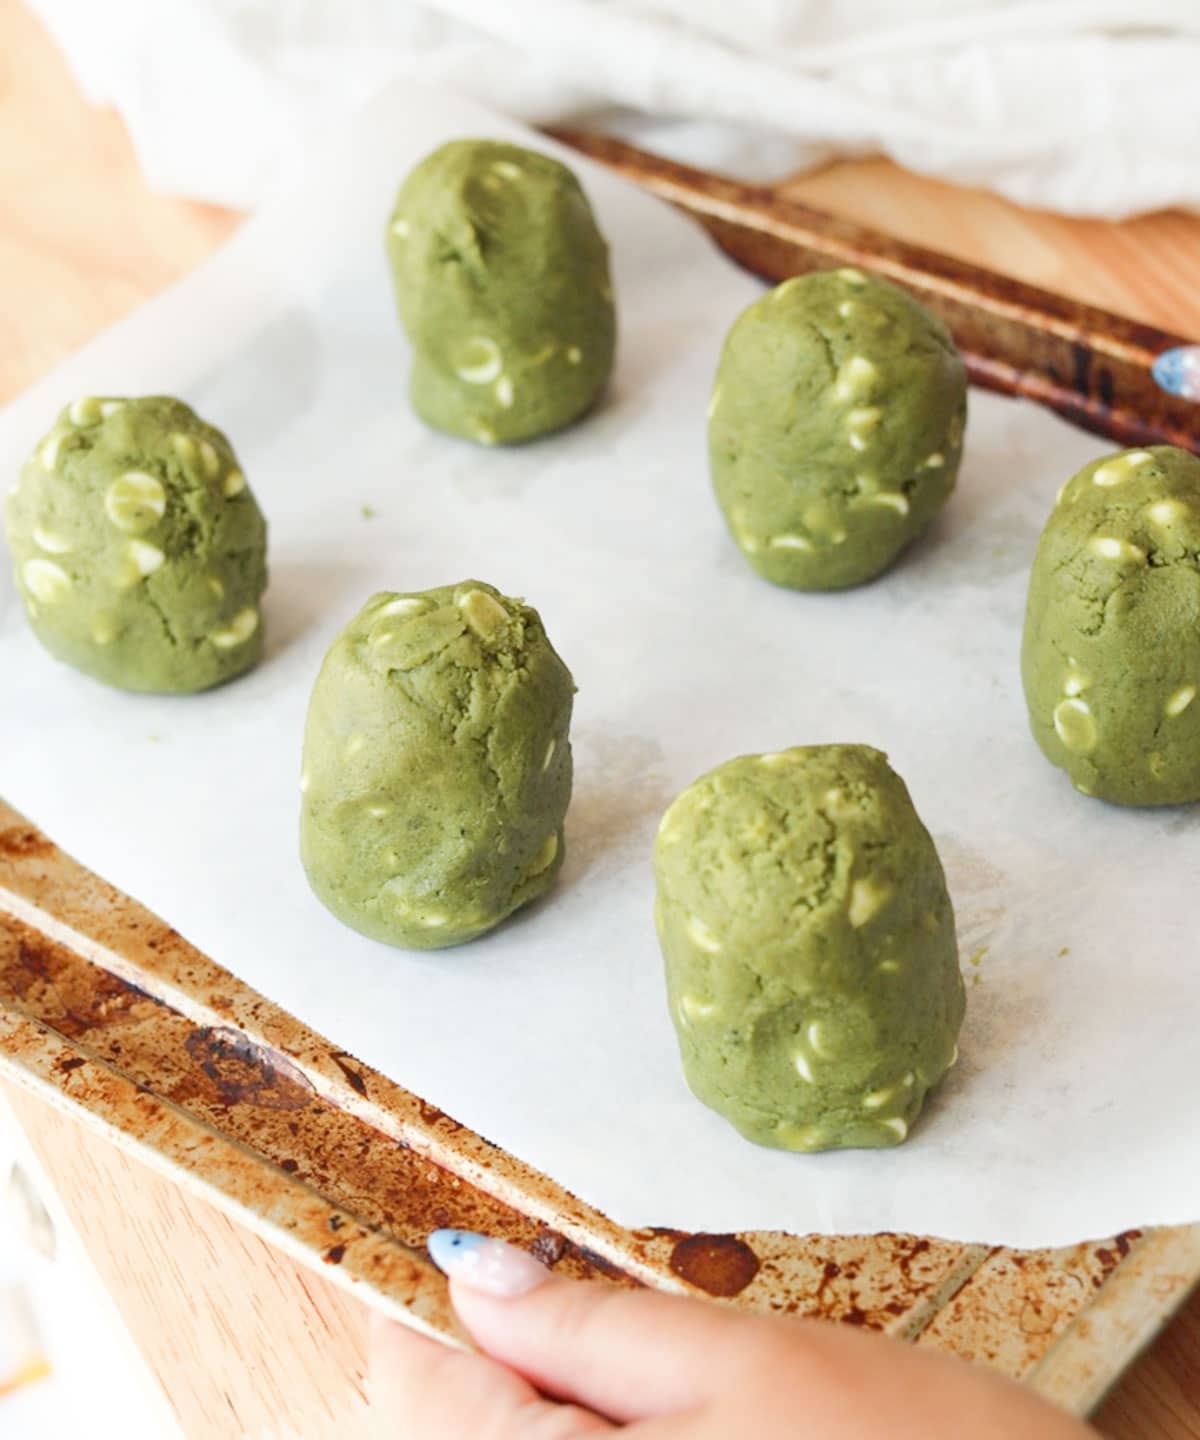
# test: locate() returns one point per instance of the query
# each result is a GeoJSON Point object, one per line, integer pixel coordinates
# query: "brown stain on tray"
{"type": "Point", "coordinates": [721, 1265]}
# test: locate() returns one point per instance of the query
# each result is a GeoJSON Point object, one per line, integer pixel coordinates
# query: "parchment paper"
{"type": "Point", "coordinates": [1072, 1111]}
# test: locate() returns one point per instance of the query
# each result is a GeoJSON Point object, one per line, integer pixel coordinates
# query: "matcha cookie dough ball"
{"type": "Point", "coordinates": [437, 768]}
{"type": "Point", "coordinates": [140, 552]}
{"type": "Point", "coordinates": [1111, 657]}
{"type": "Point", "coordinates": [835, 428]}
{"type": "Point", "coordinates": [502, 283]}
{"type": "Point", "coordinates": [812, 967]}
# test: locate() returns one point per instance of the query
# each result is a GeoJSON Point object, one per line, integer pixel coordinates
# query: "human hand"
{"type": "Point", "coordinates": [563, 1359]}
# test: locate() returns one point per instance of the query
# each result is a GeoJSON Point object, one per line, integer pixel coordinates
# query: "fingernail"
{"type": "Point", "coordinates": [492, 1266]}
{"type": "Point", "coordinates": [1178, 371]}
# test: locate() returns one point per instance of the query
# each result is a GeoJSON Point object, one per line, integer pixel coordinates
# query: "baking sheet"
{"type": "Point", "coordinates": [1067, 1115]}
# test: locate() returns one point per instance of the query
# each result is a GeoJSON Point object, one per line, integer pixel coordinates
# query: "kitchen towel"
{"type": "Point", "coordinates": [1089, 107]}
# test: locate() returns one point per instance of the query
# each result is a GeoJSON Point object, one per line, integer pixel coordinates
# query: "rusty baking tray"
{"type": "Point", "coordinates": [111, 1015]}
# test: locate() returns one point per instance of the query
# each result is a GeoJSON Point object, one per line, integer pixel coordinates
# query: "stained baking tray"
{"type": "Point", "coordinates": [111, 1015]}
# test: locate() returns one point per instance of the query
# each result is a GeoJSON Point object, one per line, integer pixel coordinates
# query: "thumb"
{"type": "Point", "coordinates": [423, 1390]}
{"type": "Point", "coordinates": [626, 1354]}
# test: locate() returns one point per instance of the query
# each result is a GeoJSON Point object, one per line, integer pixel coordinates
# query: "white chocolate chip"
{"type": "Point", "coordinates": [817, 1041]}
{"type": "Point", "coordinates": [932, 462]}
{"type": "Point", "coordinates": [482, 612]}
{"type": "Point", "coordinates": [507, 170]}
{"type": "Point", "coordinates": [146, 558]}
{"type": "Point", "coordinates": [48, 454]}
{"type": "Point", "coordinates": [789, 542]}
{"type": "Point", "coordinates": [737, 523]}
{"type": "Point", "coordinates": [877, 1099]}
{"type": "Point", "coordinates": [504, 392]}
{"type": "Point", "coordinates": [46, 581]}
{"type": "Point", "coordinates": [549, 755]}
{"type": "Point", "coordinates": [85, 411]}
{"type": "Point", "coordinates": [103, 630]}
{"type": "Point", "coordinates": [897, 1125]}
{"type": "Point", "coordinates": [233, 484]}
{"type": "Point", "coordinates": [851, 276]}
{"type": "Point", "coordinates": [1075, 726]}
{"type": "Point", "coordinates": [51, 543]}
{"type": "Point", "coordinates": [405, 605]}
{"type": "Point", "coordinates": [892, 499]}
{"type": "Point", "coordinates": [400, 227]}
{"type": "Point", "coordinates": [209, 459]}
{"type": "Point", "coordinates": [1179, 701]}
{"type": "Point", "coordinates": [1120, 467]}
{"type": "Point", "coordinates": [803, 1068]}
{"type": "Point", "coordinates": [574, 354]}
{"type": "Point", "coordinates": [1108, 547]}
{"type": "Point", "coordinates": [861, 424]}
{"type": "Point", "coordinates": [433, 919]}
{"type": "Point", "coordinates": [482, 361]}
{"type": "Point", "coordinates": [855, 377]}
{"type": "Point", "coordinates": [135, 501]}
{"type": "Point", "coordinates": [1076, 680]}
{"type": "Point", "coordinates": [866, 900]}
{"type": "Point", "coordinates": [702, 937]}
{"type": "Point", "coordinates": [668, 826]}
{"type": "Point", "coordinates": [185, 447]}
{"type": "Point", "coordinates": [110, 407]}
{"type": "Point", "coordinates": [693, 1008]}
{"type": "Point", "coordinates": [239, 630]}
{"type": "Point", "coordinates": [846, 309]}
{"type": "Point", "coordinates": [801, 1137]}
{"type": "Point", "coordinates": [545, 856]}
{"type": "Point", "coordinates": [1167, 512]}
{"type": "Point", "coordinates": [889, 967]}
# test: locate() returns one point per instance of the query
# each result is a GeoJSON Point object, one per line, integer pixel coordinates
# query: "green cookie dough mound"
{"type": "Point", "coordinates": [835, 428]}
{"type": "Point", "coordinates": [502, 284]}
{"type": "Point", "coordinates": [437, 768]}
{"type": "Point", "coordinates": [140, 552]}
{"type": "Point", "coordinates": [812, 967]}
{"type": "Point", "coordinates": [1111, 656]}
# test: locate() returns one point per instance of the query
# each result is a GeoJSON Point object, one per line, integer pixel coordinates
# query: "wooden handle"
{"type": "Point", "coordinates": [1090, 365]}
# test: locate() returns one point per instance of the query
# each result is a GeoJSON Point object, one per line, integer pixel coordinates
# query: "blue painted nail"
{"type": "Point", "coordinates": [485, 1264]}
{"type": "Point", "coordinates": [1178, 371]}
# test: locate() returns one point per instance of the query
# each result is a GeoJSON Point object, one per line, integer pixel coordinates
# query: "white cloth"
{"type": "Point", "coordinates": [1091, 107]}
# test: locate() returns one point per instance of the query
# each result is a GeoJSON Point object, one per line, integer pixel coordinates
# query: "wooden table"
{"type": "Point", "coordinates": [269, 1348]}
